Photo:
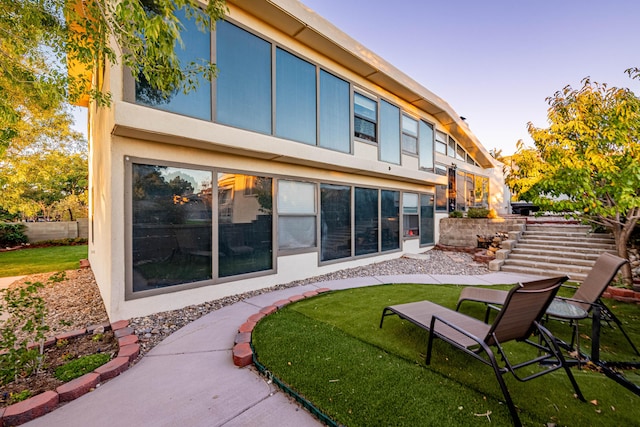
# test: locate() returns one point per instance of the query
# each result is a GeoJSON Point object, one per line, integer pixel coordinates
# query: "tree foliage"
{"type": "Point", "coordinates": [587, 162]}
{"type": "Point", "coordinates": [38, 38]}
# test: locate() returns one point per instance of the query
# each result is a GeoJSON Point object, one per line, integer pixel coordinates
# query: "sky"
{"type": "Point", "coordinates": [494, 61]}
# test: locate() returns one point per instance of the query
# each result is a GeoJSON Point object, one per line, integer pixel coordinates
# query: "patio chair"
{"type": "Point", "coordinates": [518, 320]}
{"type": "Point", "coordinates": [585, 302]}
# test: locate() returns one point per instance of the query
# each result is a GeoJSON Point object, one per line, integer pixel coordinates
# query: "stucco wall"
{"type": "Point", "coordinates": [465, 231]}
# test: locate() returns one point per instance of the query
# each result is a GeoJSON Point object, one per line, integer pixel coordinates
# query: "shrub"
{"type": "Point", "coordinates": [12, 234]}
{"type": "Point", "coordinates": [455, 214]}
{"type": "Point", "coordinates": [478, 213]}
{"type": "Point", "coordinates": [80, 366]}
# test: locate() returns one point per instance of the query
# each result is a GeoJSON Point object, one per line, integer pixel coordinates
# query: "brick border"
{"type": "Point", "coordinates": [622, 294]}
{"type": "Point", "coordinates": [128, 350]}
{"type": "Point", "coordinates": [242, 351]}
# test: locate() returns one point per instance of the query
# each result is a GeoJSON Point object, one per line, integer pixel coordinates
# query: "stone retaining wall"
{"type": "Point", "coordinates": [463, 232]}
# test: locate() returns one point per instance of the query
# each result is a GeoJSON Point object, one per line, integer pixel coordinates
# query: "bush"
{"type": "Point", "coordinates": [455, 214]}
{"type": "Point", "coordinates": [80, 366]}
{"type": "Point", "coordinates": [478, 213]}
{"type": "Point", "coordinates": [12, 234]}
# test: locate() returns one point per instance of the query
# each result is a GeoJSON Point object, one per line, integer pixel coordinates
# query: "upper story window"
{"type": "Point", "coordinates": [365, 118]}
{"type": "Point", "coordinates": [243, 85]}
{"type": "Point", "coordinates": [452, 148]}
{"type": "Point", "coordinates": [441, 142]}
{"type": "Point", "coordinates": [409, 135]}
{"type": "Point", "coordinates": [197, 103]}
{"type": "Point", "coordinates": [389, 144]}
{"type": "Point", "coordinates": [425, 146]}
{"type": "Point", "coordinates": [334, 113]}
{"type": "Point", "coordinates": [460, 153]}
{"type": "Point", "coordinates": [295, 98]}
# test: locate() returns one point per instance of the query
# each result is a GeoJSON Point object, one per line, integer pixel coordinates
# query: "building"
{"type": "Point", "coordinates": [307, 154]}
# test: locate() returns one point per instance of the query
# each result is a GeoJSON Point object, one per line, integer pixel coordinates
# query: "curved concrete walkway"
{"type": "Point", "coordinates": [189, 379]}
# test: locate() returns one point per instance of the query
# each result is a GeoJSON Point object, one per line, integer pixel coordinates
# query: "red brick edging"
{"type": "Point", "coordinates": [622, 294]}
{"type": "Point", "coordinates": [38, 405]}
{"type": "Point", "coordinates": [242, 352]}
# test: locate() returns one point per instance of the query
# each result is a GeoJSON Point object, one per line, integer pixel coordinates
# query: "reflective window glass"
{"type": "Point", "coordinates": [410, 222]}
{"type": "Point", "coordinates": [296, 215]}
{"type": "Point", "coordinates": [390, 223]}
{"type": "Point", "coordinates": [295, 98]}
{"type": "Point", "coordinates": [366, 217]}
{"type": "Point", "coordinates": [426, 219]}
{"type": "Point", "coordinates": [441, 142]}
{"type": "Point", "coordinates": [196, 103]}
{"type": "Point", "coordinates": [425, 150]}
{"type": "Point", "coordinates": [389, 133]}
{"type": "Point", "coordinates": [243, 88]}
{"type": "Point", "coordinates": [335, 219]}
{"type": "Point", "coordinates": [334, 113]}
{"type": "Point", "coordinates": [171, 226]}
{"type": "Point", "coordinates": [452, 148]}
{"type": "Point", "coordinates": [245, 236]}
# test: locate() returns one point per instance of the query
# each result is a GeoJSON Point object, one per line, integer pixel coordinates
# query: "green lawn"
{"type": "Point", "coordinates": [330, 350]}
{"type": "Point", "coordinates": [41, 260]}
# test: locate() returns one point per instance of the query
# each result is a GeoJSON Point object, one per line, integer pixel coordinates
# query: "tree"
{"type": "Point", "coordinates": [587, 162]}
{"type": "Point", "coordinates": [39, 37]}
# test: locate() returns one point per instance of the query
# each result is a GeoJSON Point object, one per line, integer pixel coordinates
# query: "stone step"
{"type": "Point", "coordinates": [584, 253]}
{"type": "Point", "coordinates": [568, 234]}
{"type": "Point", "coordinates": [513, 268]}
{"type": "Point", "coordinates": [573, 228]}
{"type": "Point", "coordinates": [551, 243]}
{"type": "Point", "coordinates": [552, 258]}
{"type": "Point", "coordinates": [552, 266]}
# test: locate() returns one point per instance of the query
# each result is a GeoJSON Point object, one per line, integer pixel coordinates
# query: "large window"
{"type": "Point", "coordinates": [426, 219]}
{"type": "Point", "coordinates": [441, 190]}
{"type": "Point", "coordinates": [245, 226]}
{"type": "Point", "coordinates": [425, 149]}
{"type": "Point", "coordinates": [334, 113]}
{"type": "Point", "coordinates": [171, 226]}
{"type": "Point", "coordinates": [409, 135]}
{"type": "Point", "coordinates": [335, 219]}
{"type": "Point", "coordinates": [295, 98]}
{"type": "Point", "coordinates": [410, 223]}
{"type": "Point", "coordinates": [296, 215]}
{"type": "Point", "coordinates": [365, 118]}
{"type": "Point", "coordinates": [243, 89]}
{"type": "Point", "coordinates": [196, 103]}
{"type": "Point", "coordinates": [390, 213]}
{"type": "Point", "coordinates": [366, 218]}
{"type": "Point", "coordinates": [389, 133]}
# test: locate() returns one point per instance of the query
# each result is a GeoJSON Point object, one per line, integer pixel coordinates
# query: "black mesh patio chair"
{"type": "Point", "coordinates": [518, 320]}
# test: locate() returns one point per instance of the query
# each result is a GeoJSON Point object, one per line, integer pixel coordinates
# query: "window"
{"type": "Point", "coordinates": [171, 220]}
{"type": "Point", "coordinates": [390, 224]}
{"type": "Point", "coordinates": [196, 103]}
{"type": "Point", "coordinates": [335, 219]}
{"type": "Point", "coordinates": [425, 142]}
{"type": "Point", "coordinates": [441, 190]}
{"type": "Point", "coordinates": [461, 196]}
{"type": "Point", "coordinates": [334, 113]}
{"type": "Point", "coordinates": [460, 153]}
{"type": "Point", "coordinates": [295, 98]}
{"type": "Point", "coordinates": [365, 118]}
{"type": "Point", "coordinates": [296, 215]}
{"type": "Point", "coordinates": [452, 148]}
{"type": "Point", "coordinates": [410, 222]}
{"type": "Point", "coordinates": [426, 219]}
{"type": "Point", "coordinates": [245, 237]}
{"type": "Point", "coordinates": [366, 220]}
{"type": "Point", "coordinates": [243, 84]}
{"type": "Point", "coordinates": [441, 142]}
{"type": "Point", "coordinates": [409, 135]}
{"type": "Point", "coordinates": [389, 133]}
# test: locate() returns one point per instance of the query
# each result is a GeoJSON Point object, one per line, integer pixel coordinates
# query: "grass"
{"type": "Point", "coordinates": [41, 260]}
{"type": "Point", "coordinates": [331, 350]}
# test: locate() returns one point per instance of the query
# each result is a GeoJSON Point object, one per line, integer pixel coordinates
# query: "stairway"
{"type": "Point", "coordinates": [556, 248]}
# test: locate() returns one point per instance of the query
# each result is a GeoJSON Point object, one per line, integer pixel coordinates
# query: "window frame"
{"type": "Point", "coordinates": [405, 133]}
{"type": "Point", "coordinates": [315, 215]}
{"type": "Point", "coordinates": [375, 123]}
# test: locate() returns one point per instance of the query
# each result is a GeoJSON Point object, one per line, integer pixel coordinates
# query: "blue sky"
{"type": "Point", "coordinates": [495, 61]}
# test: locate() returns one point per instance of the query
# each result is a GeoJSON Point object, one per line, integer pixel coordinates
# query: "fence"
{"type": "Point", "coordinates": [39, 231]}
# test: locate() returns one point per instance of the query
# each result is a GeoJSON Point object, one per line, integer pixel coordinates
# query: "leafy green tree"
{"type": "Point", "coordinates": [39, 37]}
{"type": "Point", "coordinates": [587, 162]}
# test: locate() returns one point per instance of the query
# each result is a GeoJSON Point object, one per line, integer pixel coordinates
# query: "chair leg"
{"type": "Point", "coordinates": [609, 313]}
{"type": "Point", "coordinates": [503, 386]}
